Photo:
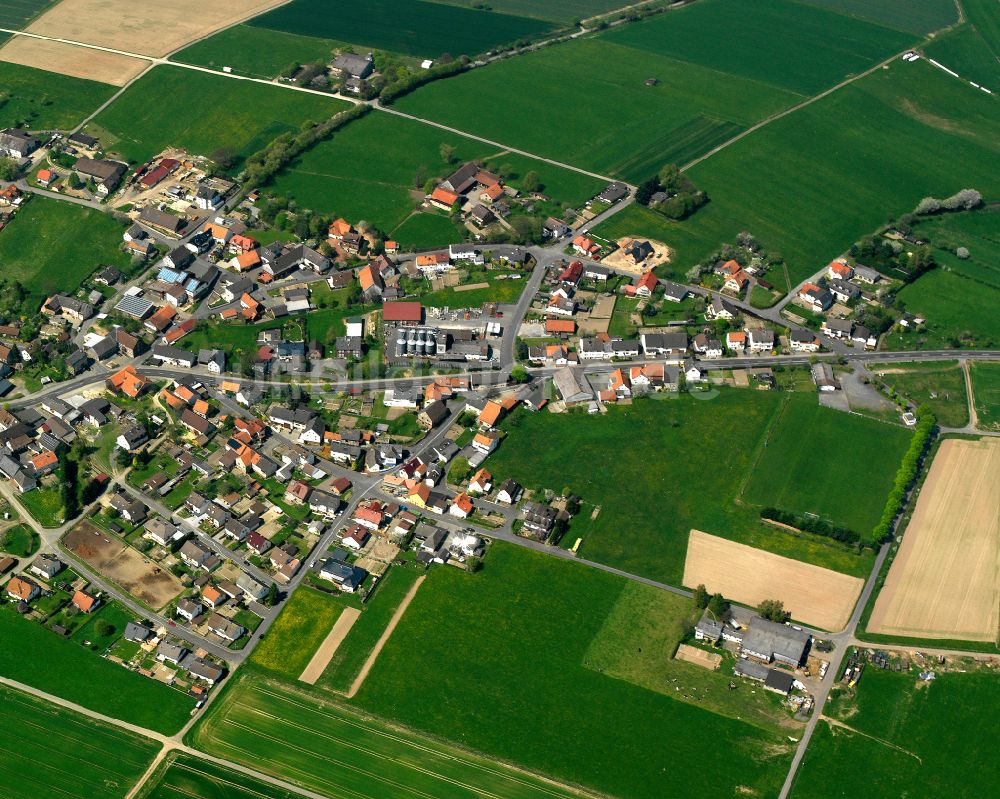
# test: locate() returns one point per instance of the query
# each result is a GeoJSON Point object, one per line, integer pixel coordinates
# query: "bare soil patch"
{"type": "Point", "coordinates": [814, 595]}
{"type": "Point", "coordinates": [123, 565]}
{"type": "Point", "coordinates": [944, 582]}
{"type": "Point", "coordinates": [68, 59]}
{"type": "Point", "coordinates": [618, 260]}
{"type": "Point", "coordinates": [322, 657]}
{"type": "Point", "coordinates": [699, 657]}
{"type": "Point", "coordinates": [472, 286]}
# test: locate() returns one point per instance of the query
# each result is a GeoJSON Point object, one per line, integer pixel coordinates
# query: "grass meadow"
{"type": "Point", "coordinates": [293, 639]}
{"type": "Point", "coordinates": [986, 391]}
{"type": "Point", "coordinates": [187, 777]}
{"type": "Point", "coordinates": [816, 460]}
{"type": "Point", "coordinates": [965, 51]}
{"type": "Point", "coordinates": [507, 650]}
{"type": "Point", "coordinates": [940, 385]}
{"type": "Point", "coordinates": [426, 230]}
{"type": "Point", "coordinates": [332, 749]}
{"type": "Point", "coordinates": [201, 113]}
{"type": "Point", "coordinates": [412, 27]}
{"type": "Point", "coordinates": [39, 100]}
{"type": "Point", "coordinates": [256, 52]}
{"type": "Point", "coordinates": [82, 677]}
{"type": "Point", "coordinates": [57, 752]}
{"type": "Point", "coordinates": [913, 16]}
{"type": "Point", "coordinates": [684, 461]}
{"type": "Point", "coordinates": [906, 739]}
{"type": "Point", "coordinates": [53, 246]}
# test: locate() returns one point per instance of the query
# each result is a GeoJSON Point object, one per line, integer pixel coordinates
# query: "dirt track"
{"type": "Point", "coordinates": [813, 595]}
{"type": "Point", "coordinates": [322, 657]}
{"type": "Point", "coordinates": [944, 581]}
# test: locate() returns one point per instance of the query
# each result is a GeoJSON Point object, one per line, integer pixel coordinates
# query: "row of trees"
{"type": "Point", "coordinates": [811, 524]}
{"type": "Point", "coordinates": [403, 86]}
{"type": "Point", "coordinates": [683, 197]}
{"type": "Point", "coordinates": [906, 473]}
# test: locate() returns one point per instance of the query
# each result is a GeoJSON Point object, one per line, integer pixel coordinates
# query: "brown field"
{"type": "Point", "coordinates": [149, 28]}
{"type": "Point", "coordinates": [321, 658]}
{"type": "Point", "coordinates": [944, 582]}
{"type": "Point", "coordinates": [813, 595]}
{"type": "Point", "coordinates": [123, 565]}
{"type": "Point", "coordinates": [67, 59]}
{"type": "Point", "coordinates": [699, 657]}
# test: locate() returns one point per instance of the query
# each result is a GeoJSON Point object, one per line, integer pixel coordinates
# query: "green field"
{"type": "Point", "coordinates": [935, 136]}
{"type": "Point", "coordinates": [368, 169]}
{"type": "Point", "coordinates": [561, 11]}
{"type": "Point", "coordinates": [685, 461]}
{"type": "Point", "coordinates": [20, 540]}
{"type": "Point", "coordinates": [203, 113]}
{"type": "Point", "coordinates": [332, 749]}
{"type": "Point", "coordinates": [75, 674]}
{"type": "Point", "coordinates": [57, 752]}
{"type": "Point", "coordinates": [257, 52]}
{"type": "Point", "coordinates": [187, 777]}
{"type": "Point", "coordinates": [986, 391]}
{"type": "Point", "coordinates": [507, 648]}
{"type": "Point", "coordinates": [964, 51]}
{"type": "Point", "coordinates": [53, 246]}
{"type": "Point", "coordinates": [40, 100]}
{"type": "Point", "coordinates": [501, 291]}
{"type": "Point", "coordinates": [17, 14]}
{"type": "Point", "coordinates": [906, 740]}
{"type": "Point", "coordinates": [940, 385]}
{"type": "Point", "coordinates": [425, 230]}
{"type": "Point", "coordinates": [292, 640]}
{"type": "Point", "coordinates": [813, 455]}
{"type": "Point", "coordinates": [413, 27]}
{"type": "Point", "coordinates": [912, 16]}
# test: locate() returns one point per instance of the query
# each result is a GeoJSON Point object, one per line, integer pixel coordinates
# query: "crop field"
{"type": "Point", "coordinates": [58, 752]}
{"type": "Point", "coordinates": [533, 643]}
{"type": "Point", "coordinates": [813, 453]}
{"type": "Point", "coordinates": [82, 677]}
{"type": "Point", "coordinates": [53, 246]}
{"type": "Point", "coordinates": [412, 27]}
{"type": "Point", "coordinates": [291, 641]}
{"type": "Point", "coordinates": [16, 14]}
{"type": "Point", "coordinates": [60, 59]}
{"type": "Point", "coordinates": [940, 385]}
{"type": "Point", "coordinates": [332, 749]}
{"type": "Point", "coordinates": [368, 170]}
{"type": "Point", "coordinates": [187, 777]}
{"type": "Point", "coordinates": [905, 738]}
{"type": "Point", "coordinates": [203, 113]}
{"type": "Point", "coordinates": [912, 16]}
{"type": "Point", "coordinates": [560, 11]}
{"type": "Point", "coordinates": [687, 454]}
{"type": "Point", "coordinates": [812, 594]}
{"type": "Point", "coordinates": [257, 52]}
{"type": "Point", "coordinates": [964, 51]}
{"type": "Point", "coordinates": [986, 393]}
{"type": "Point", "coordinates": [42, 100]}
{"type": "Point", "coordinates": [943, 582]}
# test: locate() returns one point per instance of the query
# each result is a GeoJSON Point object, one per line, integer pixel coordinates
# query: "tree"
{"type": "Point", "coordinates": [103, 628]}
{"type": "Point", "coordinates": [532, 183]}
{"type": "Point", "coordinates": [447, 152]}
{"type": "Point", "coordinates": [272, 596]}
{"type": "Point", "coordinates": [8, 169]}
{"type": "Point", "coordinates": [700, 596]}
{"type": "Point", "coordinates": [74, 181]}
{"type": "Point", "coordinates": [717, 606]}
{"type": "Point", "coordinates": [224, 157]}
{"type": "Point", "coordinates": [460, 470]}
{"type": "Point", "coordinates": [962, 252]}
{"type": "Point", "coordinates": [519, 374]}
{"type": "Point", "coordinates": [772, 610]}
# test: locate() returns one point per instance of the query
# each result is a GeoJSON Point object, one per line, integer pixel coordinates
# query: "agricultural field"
{"type": "Point", "coordinates": [560, 11]}
{"type": "Point", "coordinates": [943, 582]}
{"type": "Point", "coordinates": [986, 393]}
{"type": "Point", "coordinates": [412, 27]}
{"type": "Point", "coordinates": [912, 16]}
{"type": "Point", "coordinates": [53, 246]}
{"type": "Point", "coordinates": [533, 644]}
{"type": "Point", "coordinates": [426, 230]}
{"type": "Point", "coordinates": [809, 440]}
{"type": "Point", "coordinates": [965, 51]}
{"type": "Point", "coordinates": [332, 749]}
{"type": "Point", "coordinates": [39, 100]}
{"type": "Point", "coordinates": [940, 385]}
{"type": "Point", "coordinates": [291, 641]}
{"type": "Point", "coordinates": [256, 52]}
{"type": "Point", "coordinates": [900, 737]}
{"type": "Point", "coordinates": [77, 675]}
{"type": "Point", "coordinates": [16, 14]}
{"type": "Point", "coordinates": [58, 752]}
{"type": "Point", "coordinates": [187, 777]}
{"type": "Point", "coordinates": [375, 169]}
{"type": "Point", "coordinates": [689, 454]}
{"type": "Point", "coordinates": [203, 113]}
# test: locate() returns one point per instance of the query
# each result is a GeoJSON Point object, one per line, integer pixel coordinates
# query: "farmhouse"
{"type": "Point", "coordinates": [768, 641]}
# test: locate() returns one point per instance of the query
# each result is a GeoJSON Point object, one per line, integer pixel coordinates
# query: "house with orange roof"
{"type": "Point", "coordinates": [486, 442]}
{"type": "Point", "coordinates": [736, 341]}
{"type": "Point", "coordinates": [461, 506]}
{"type": "Point", "coordinates": [646, 285]}
{"type": "Point", "coordinates": [490, 415]}
{"type": "Point", "coordinates": [369, 515]}
{"type": "Point", "coordinates": [201, 407]}
{"type": "Point", "coordinates": [220, 233]}
{"type": "Point", "coordinates": [45, 177]}
{"type": "Point", "coordinates": [730, 267]}
{"type": "Point", "coordinates": [584, 246]}
{"type": "Point", "coordinates": [559, 327]}
{"type": "Point", "coordinates": [185, 393]}
{"type": "Point", "coordinates": [23, 589]}
{"type": "Point", "coordinates": [391, 247]}
{"type": "Point", "coordinates": [228, 314]}
{"type": "Point", "coordinates": [172, 399]}
{"type": "Point", "coordinates": [736, 282]}
{"type": "Point", "coordinates": [242, 244]}
{"type": "Point", "coordinates": [128, 381]}
{"type": "Point", "coordinates": [85, 602]}
{"type": "Point", "coordinates": [418, 495]}
{"type": "Point", "coordinates": [250, 306]}
{"type": "Point", "coordinates": [491, 193]}
{"type": "Point", "coordinates": [481, 482]}
{"type": "Point", "coordinates": [213, 597]}
{"type": "Point", "coordinates": [44, 462]}
{"type": "Point", "coordinates": [433, 263]}
{"type": "Point", "coordinates": [229, 387]}
{"type": "Point", "coordinates": [338, 229]}
{"type": "Point", "coordinates": [371, 282]}
{"type": "Point", "coordinates": [443, 199]}
{"type": "Point", "coordinates": [178, 332]}
{"type": "Point", "coordinates": [247, 260]}
{"type": "Point", "coordinates": [161, 320]}
{"type": "Point", "coordinates": [840, 270]}
{"type": "Point", "coordinates": [618, 383]}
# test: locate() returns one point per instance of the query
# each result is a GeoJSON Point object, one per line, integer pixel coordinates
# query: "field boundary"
{"type": "Point", "coordinates": [324, 654]}
{"type": "Point", "coordinates": [384, 638]}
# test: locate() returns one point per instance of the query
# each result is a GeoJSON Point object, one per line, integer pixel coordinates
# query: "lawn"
{"type": "Point", "coordinates": [501, 291]}
{"type": "Point", "coordinates": [58, 752]}
{"type": "Point", "coordinates": [203, 113]}
{"type": "Point", "coordinates": [184, 777]}
{"type": "Point", "coordinates": [506, 648]}
{"type": "Point", "coordinates": [986, 391]}
{"type": "Point", "coordinates": [287, 731]}
{"type": "Point", "coordinates": [79, 676]}
{"type": "Point", "coordinates": [375, 615]}
{"type": "Point", "coordinates": [290, 643]}
{"type": "Point", "coordinates": [913, 16]}
{"type": "Point", "coordinates": [45, 506]}
{"type": "Point", "coordinates": [906, 739]}
{"type": "Point", "coordinates": [374, 169]}
{"type": "Point", "coordinates": [684, 461]}
{"type": "Point", "coordinates": [426, 230]}
{"type": "Point", "coordinates": [412, 27]}
{"type": "Point", "coordinates": [53, 246]}
{"type": "Point", "coordinates": [827, 463]}
{"type": "Point", "coordinates": [19, 540]}
{"type": "Point", "coordinates": [40, 100]}
{"type": "Point", "coordinates": [940, 385]}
